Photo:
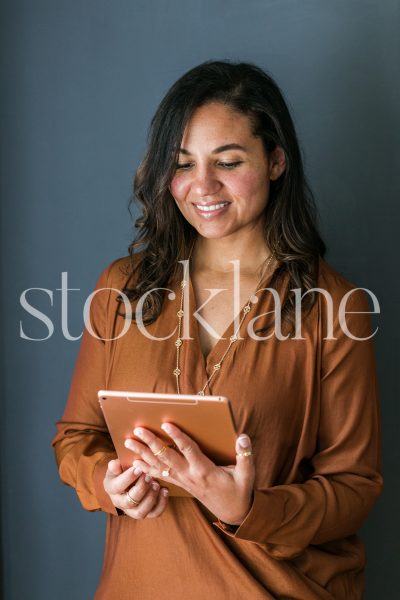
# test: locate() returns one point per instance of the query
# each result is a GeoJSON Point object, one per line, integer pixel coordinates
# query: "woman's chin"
{"type": "Point", "coordinates": [212, 233]}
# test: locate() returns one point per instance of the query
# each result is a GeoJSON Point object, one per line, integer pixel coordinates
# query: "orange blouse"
{"type": "Point", "coordinates": [311, 409]}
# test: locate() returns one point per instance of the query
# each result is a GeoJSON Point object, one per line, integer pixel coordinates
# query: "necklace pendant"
{"type": "Point", "coordinates": [233, 338]}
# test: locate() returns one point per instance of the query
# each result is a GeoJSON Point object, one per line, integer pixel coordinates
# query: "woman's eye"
{"type": "Point", "coordinates": [231, 165]}
{"type": "Point", "coordinates": [226, 165]}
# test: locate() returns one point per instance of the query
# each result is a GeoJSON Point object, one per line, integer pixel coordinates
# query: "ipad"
{"type": "Point", "coordinates": [206, 419]}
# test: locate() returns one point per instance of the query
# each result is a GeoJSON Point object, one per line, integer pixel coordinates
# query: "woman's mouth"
{"type": "Point", "coordinates": [210, 211]}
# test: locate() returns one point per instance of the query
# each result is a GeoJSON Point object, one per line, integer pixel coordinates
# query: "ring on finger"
{"type": "Point", "coordinates": [131, 500]}
{"type": "Point", "coordinates": [163, 449]}
{"type": "Point", "coordinates": [247, 453]}
{"type": "Point", "coordinates": [165, 472]}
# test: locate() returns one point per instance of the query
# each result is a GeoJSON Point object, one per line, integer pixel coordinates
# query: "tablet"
{"type": "Point", "coordinates": [206, 419]}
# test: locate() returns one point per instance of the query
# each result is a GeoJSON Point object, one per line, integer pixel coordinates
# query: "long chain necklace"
{"type": "Point", "coordinates": [234, 338]}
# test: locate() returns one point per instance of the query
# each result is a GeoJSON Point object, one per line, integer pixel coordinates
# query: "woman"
{"type": "Point", "coordinates": [222, 187]}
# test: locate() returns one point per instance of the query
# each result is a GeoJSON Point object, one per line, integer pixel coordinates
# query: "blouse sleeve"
{"type": "Point", "coordinates": [82, 445]}
{"type": "Point", "coordinates": [346, 468]}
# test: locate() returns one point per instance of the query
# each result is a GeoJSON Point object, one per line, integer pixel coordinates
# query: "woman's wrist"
{"type": "Point", "coordinates": [232, 527]}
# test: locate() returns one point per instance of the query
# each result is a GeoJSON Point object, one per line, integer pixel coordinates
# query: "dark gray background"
{"type": "Point", "coordinates": [81, 80]}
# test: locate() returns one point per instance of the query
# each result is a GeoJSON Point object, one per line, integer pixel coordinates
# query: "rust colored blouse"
{"type": "Point", "coordinates": [311, 409]}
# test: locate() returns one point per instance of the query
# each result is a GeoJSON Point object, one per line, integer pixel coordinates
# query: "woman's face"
{"type": "Point", "coordinates": [221, 183]}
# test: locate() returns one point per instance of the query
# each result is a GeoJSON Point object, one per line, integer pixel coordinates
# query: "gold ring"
{"type": "Point", "coordinates": [163, 449]}
{"type": "Point", "coordinates": [247, 453]}
{"type": "Point", "coordinates": [165, 472]}
{"type": "Point", "coordinates": [131, 500]}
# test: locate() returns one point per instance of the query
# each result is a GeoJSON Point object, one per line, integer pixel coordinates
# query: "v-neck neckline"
{"type": "Point", "coordinates": [222, 343]}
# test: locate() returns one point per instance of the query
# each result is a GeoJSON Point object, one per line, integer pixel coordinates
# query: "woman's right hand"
{"type": "Point", "coordinates": [152, 499]}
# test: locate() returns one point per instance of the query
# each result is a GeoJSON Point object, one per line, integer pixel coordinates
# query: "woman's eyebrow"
{"type": "Point", "coordinates": [219, 149]}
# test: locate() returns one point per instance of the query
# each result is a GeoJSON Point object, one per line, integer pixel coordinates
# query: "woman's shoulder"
{"type": "Point", "coordinates": [339, 286]}
{"type": "Point", "coordinates": [119, 273]}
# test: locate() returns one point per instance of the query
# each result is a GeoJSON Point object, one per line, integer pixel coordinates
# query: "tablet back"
{"type": "Point", "coordinates": [206, 419]}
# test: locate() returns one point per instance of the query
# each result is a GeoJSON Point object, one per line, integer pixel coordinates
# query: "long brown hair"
{"type": "Point", "coordinates": [163, 233]}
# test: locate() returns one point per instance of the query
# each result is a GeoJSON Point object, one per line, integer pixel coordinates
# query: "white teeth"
{"type": "Point", "coordinates": [212, 207]}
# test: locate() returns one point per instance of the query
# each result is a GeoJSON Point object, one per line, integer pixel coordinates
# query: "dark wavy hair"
{"type": "Point", "coordinates": [164, 235]}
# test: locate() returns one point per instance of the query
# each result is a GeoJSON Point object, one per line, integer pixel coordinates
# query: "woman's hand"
{"type": "Point", "coordinates": [225, 491]}
{"type": "Point", "coordinates": [151, 499]}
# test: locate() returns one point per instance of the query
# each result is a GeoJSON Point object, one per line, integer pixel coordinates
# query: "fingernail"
{"type": "Point", "coordinates": [137, 431]}
{"type": "Point", "coordinates": [154, 486]}
{"type": "Point", "coordinates": [164, 492]}
{"type": "Point", "coordinates": [244, 442]}
{"type": "Point", "coordinates": [137, 470]}
{"type": "Point", "coordinates": [147, 478]}
{"type": "Point", "coordinates": [166, 427]}
{"type": "Point", "coordinates": [127, 443]}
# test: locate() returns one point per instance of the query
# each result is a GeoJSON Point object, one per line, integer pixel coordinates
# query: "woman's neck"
{"type": "Point", "coordinates": [215, 255]}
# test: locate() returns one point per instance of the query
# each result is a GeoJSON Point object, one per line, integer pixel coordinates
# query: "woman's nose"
{"type": "Point", "coordinates": [205, 182]}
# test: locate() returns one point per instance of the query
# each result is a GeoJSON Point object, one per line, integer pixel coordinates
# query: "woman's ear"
{"type": "Point", "coordinates": [277, 163]}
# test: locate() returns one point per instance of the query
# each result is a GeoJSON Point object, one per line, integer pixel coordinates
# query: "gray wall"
{"type": "Point", "coordinates": [82, 80]}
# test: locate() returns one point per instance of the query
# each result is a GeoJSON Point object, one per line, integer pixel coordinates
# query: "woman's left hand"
{"type": "Point", "coordinates": [226, 491]}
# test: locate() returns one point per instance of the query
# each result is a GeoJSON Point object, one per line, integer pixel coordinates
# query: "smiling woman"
{"type": "Point", "coordinates": [224, 196]}
{"type": "Point", "coordinates": [223, 191]}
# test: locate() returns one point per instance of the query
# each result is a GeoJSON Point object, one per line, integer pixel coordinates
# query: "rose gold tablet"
{"type": "Point", "coordinates": [206, 419]}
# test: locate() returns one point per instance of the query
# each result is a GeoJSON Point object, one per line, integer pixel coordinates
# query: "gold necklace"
{"type": "Point", "coordinates": [234, 338]}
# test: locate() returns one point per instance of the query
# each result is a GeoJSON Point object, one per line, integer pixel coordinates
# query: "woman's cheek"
{"type": "Point", "coordinates": [179, 186]}
{"type": "Point", "coordinates": [248, 184]}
